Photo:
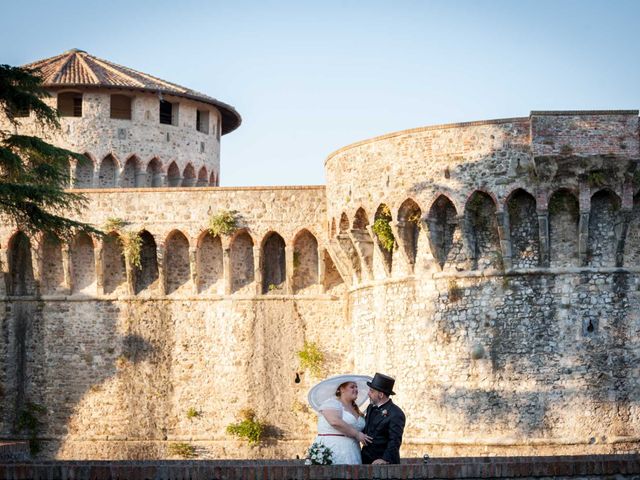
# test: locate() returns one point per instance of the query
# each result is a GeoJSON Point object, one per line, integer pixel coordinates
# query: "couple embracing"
{"type": "Point", "coordinates": [343, 428]}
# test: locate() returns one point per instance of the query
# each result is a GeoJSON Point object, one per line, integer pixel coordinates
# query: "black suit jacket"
{"type": "Point", "coordinates": [385, 425]}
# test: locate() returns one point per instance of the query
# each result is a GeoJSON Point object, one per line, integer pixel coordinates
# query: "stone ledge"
{"type": "Point", "coordinates": [591, 467]}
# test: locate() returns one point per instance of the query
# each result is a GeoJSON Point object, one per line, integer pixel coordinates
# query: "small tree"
{"type": "Point", "coordinates": [34, 173]}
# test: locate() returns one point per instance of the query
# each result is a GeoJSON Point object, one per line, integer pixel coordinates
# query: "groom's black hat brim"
{"type": "Point", "coordinates": [382, 383]}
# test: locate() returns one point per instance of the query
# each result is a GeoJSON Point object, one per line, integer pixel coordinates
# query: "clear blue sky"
{"type": "Point", "coordinates": [311, 77]}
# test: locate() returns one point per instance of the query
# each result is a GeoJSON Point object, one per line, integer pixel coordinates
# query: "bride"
{"type": "Point", "coordinates": [340, 421]}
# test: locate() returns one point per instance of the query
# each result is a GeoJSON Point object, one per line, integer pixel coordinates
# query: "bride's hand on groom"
{"type": "Point", "coordinates": [364, 439]}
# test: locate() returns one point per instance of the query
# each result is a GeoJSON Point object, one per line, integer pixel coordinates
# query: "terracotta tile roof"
{"type": "Point", "coordinates": [76, 68]}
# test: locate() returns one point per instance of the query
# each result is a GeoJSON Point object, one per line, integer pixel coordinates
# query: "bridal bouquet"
{"type": "Point", "coordinates": [319, 454]}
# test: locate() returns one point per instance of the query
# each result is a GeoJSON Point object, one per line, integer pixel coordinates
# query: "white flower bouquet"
{"type": "Point", "coordinates": [319, 454]}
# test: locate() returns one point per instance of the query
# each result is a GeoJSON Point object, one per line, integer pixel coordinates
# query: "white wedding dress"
{"type": "Point", "coordinates": [346, 450]}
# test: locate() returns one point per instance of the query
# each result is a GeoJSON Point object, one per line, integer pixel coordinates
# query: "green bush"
{"type": "Point", "coordinates": [192, 413]}
{"type": "Point", "coordinates": [223, 223]}
{"type": "Point", "coordinates": [249, 428]}
{"type": "Point", "coordinates": [311, 358]}
{"type": "Point", "coordinates": [382, 229]}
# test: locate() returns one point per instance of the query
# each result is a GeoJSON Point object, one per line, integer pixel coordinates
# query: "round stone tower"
{"type": "Point", "coordinates": [493, 269]}
{"type": "Point", "coordinates": [137, 130]}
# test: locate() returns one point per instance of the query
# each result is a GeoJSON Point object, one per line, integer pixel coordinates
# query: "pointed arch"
{"type": "Point", "coordinates": [154, 173]}
{"type": "Point", "coordinates": [305, 261]}
{"type": "Point", "coordinates": [605, 222]}
{"type": "Point", "coordinates": [273, 263]}
{"type": "Point", "coordinates": [83, 264]}
{"type": "Point", "coordinates": [524, 230]}
{"type": "Point", "coordinates": [409, 228]}
{"type": "Point", "coordinates": [108, 172]}
{"type": "Point", "coordinates": [564, 217]}
{"type": "Point", "coordinates": [242, 264]}
{"type": "Point", "coordinates": [445, 234]}
{"type": "Point", "coordinates": [210, 264]}
{"type": "Point", "coordinates": [344, 223]}
{"type": "Point", "coordinates": [188, 176]}
{"type": "Point", "coordinates": [212, 179]}
{"type": "Point", "coordinates": [83, 174]}
{"type": "Point", "coordinates": [481, 228]}
{"type": "Point", "coordinates": [21, 277]}
{"type": "Point", "coordinates": [146, 277]}
{"type": "Point", "coordinates": [202, 177]}
{"type": "Point", "coordinates": [177, 262]}
{"type": "Point", "coordinates": [131, 173]}
{"type": "Point", "coordinates": [173, 175]}
{"type": "Point", "coordinates": [52, 265]}
{"type": "Point", "coordinates": [113, 265]}
{"type": "Point", "coordinates": [360, 220]}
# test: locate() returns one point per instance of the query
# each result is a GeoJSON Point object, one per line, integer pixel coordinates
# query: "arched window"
{"type": "Point", "coordinates": [445, 236]}
{"type": "Point", "coordinates": [52, 267]}
{"type": "Point", "coordinates": [154, 173]}
{"type": "Point", "coordinates": [242, 265]}
{"type": "Point", "coordinates": [564, 216]}
{"type": "Point", "coordinates": [107, 173]}
{"type": "Point", "coordinates": [409, 218]}
{"type": "Point", "coordinates": [202, 177]}
{"type": "Point", "coordinates": [177, 263]}
{"type": "Point", "coordinates": [113, 265]}
{"type": "Point", "coordinates": [83, 264]}
{"type": "Point", "coordinates": [209, 258]}
{"type": "Point", "coordinates": [131, 173]}
{"type": "Point", "coordinates": [524, 230]}
{"type": "Point", "coordinates": [305, 261]}
{"type": "Point", "coordinates": [83, 177]}
{"type": "Point", "coordinates": [146, 277]}
{"type": "Point", "coordinates": [273, 264]}
{"type": "Point", "coordinates": [481, 228]}
{"type": "Point", "coordinates": [173, 175]}
{"type": "Point", "coordinates": [604, 226]}
{"type": "Point", "coordinates": [188, 176]}
{"type": "Point", "coordinates": [21, 278]}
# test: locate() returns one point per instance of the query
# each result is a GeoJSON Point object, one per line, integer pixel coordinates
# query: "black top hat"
{"type": "Point", "coordinates": [382, 383]}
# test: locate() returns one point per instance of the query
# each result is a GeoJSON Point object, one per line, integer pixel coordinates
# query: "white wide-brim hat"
{"type": "Point", "coordinates": [327, 389]}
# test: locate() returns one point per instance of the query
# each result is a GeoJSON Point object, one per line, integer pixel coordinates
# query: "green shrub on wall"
{"type": "Point", "coordinates": [223, 223]}
{"type": "Point", "coordinates": [382, 229]}
{"type": "Point", "coordinates": [249, 427]}
{"type": "Point", "coordinates": [311, 358]}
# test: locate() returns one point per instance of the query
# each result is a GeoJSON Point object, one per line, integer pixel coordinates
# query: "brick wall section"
{"type": "Point", "coordinates": [578, 468]}
{"type": "Point", "coordinates": [585, 133]}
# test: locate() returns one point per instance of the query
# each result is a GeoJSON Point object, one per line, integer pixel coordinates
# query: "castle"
{"type": "Point", "coordinates": [492, 267]}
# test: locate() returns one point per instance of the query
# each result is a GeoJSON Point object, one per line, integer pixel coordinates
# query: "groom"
{"type": "Point", "coordinates": [384, 423]}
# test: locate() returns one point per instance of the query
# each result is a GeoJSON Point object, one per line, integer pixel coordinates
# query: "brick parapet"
{"type": "Point", "coordinates": [575, 467]}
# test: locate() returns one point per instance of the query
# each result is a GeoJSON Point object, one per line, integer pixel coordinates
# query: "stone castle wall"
{"type": "Point", "coordinates": [506, 310]}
